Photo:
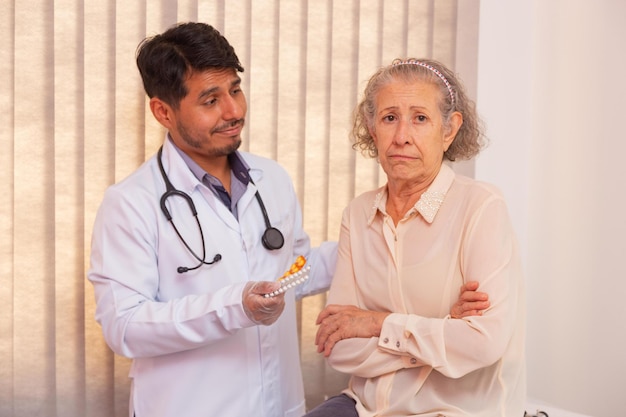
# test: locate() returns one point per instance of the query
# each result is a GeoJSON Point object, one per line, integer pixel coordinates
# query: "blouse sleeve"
{"type": "Point", "coordinates": [357, 356]}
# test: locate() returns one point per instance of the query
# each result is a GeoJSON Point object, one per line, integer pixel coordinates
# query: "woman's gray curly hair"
{"type": "Point", "coordinates": [469, 139]}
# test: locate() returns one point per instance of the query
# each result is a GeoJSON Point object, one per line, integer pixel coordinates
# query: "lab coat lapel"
{"type": "Point", "coordinates": [246, 199]}
{"type": "Point", "coordinates": [184, 180]}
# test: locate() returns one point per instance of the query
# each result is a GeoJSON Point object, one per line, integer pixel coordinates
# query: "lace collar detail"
{"type": "Point", "coordinates": [429, 203]}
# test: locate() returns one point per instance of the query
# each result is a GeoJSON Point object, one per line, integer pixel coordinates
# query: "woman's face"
{"type": "Point", "coordinates": [408, 132]}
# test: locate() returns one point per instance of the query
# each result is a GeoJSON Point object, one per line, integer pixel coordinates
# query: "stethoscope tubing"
{"type": "Point", "coordinates": [272, 238]}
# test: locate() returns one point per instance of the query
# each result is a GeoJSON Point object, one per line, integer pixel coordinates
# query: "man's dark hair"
{"type": "Point", "coordinates": [165, 60]}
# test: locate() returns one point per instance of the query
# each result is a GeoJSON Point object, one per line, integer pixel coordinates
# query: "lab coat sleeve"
{"type": "Point", "coordinates": [453, 347]}
{"type": "Point", "coordinates": [322, 260]}
{"type": "Point", "coordinates": [124, 272]}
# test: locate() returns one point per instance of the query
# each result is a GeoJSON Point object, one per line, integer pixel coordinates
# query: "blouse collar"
{"type": "Point", "coordinates": [430, 201]}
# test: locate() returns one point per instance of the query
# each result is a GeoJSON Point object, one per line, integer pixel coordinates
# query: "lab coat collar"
{"type": "Point", "coordinates": [186, 181]}
{"type": "Point", "coordinates": [176, 169]}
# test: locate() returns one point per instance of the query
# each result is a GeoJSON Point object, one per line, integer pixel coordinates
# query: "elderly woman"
{"type": "Point", "coordinates": [406, 248]}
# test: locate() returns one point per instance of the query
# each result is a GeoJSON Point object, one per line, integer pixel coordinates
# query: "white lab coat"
{"type": "Point", "coordinates": [194, 350]}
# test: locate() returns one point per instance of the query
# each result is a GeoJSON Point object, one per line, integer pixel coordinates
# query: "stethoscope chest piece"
{"type": "Point", "coordinates": [272, 239]}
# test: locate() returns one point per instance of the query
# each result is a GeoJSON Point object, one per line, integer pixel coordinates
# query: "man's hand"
{"type": "Point", "coordinates": [337, 322]}
{"type": "Point", "coordinates": [471, 302]}
{"type": "Point", "coordinates": [261, 309]}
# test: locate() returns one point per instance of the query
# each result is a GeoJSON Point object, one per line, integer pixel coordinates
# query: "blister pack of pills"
{"type": "Point", "coordinates": [296, 275]}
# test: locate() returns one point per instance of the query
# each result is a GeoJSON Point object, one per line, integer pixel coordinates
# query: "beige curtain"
{"type": "Point", "coordinates": [74, 120]}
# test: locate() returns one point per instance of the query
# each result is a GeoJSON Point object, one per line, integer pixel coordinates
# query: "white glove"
{"type": "Point", "coordinates": [261, 309]}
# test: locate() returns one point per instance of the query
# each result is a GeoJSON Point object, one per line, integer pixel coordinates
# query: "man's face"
{"type": "Point", "coordinates": [208, 122]}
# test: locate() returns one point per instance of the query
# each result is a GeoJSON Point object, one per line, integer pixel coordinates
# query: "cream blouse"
{"type": "Point", "coordinates": [425, 363]}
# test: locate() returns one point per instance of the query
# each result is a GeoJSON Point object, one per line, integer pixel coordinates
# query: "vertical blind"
{"type": "Point", "coordinates": [75, 120]}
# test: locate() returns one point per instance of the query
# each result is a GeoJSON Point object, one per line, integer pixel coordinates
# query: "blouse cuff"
{"type": "Point", "coordinates": [395, 339]}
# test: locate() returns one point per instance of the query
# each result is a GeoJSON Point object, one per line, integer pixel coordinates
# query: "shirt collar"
{"type": "Point", "coordinates": [238, 166]}
{"type": "Point", "coordinates": [430, 201]}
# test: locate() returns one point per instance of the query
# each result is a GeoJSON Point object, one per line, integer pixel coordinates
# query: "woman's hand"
{"type": "Point", "coordinates": [337, 322]}
{"type": "Point", "coordinates": [471, 302]}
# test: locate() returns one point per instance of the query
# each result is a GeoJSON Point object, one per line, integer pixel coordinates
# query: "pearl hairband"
{"type": "Point", "coordinates": [412, 61]}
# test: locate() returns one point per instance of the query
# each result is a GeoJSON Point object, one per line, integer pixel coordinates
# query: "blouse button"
{"type": "Point", "coordinates": [398, 344]}
{"type": "Point", "coordinates": [413, 361]}
{"type": "Point", "coordinates": [386, 340]}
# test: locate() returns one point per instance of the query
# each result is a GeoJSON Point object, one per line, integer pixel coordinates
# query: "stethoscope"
{"type": "Point", "coordinates": [272, 238]}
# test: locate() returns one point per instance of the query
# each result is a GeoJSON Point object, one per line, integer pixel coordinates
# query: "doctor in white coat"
{"type": "Point", "coordinates": [203, 338]}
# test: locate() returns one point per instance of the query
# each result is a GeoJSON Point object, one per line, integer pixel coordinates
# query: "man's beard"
{"type": "Point", "coordinates": [213, 152]}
